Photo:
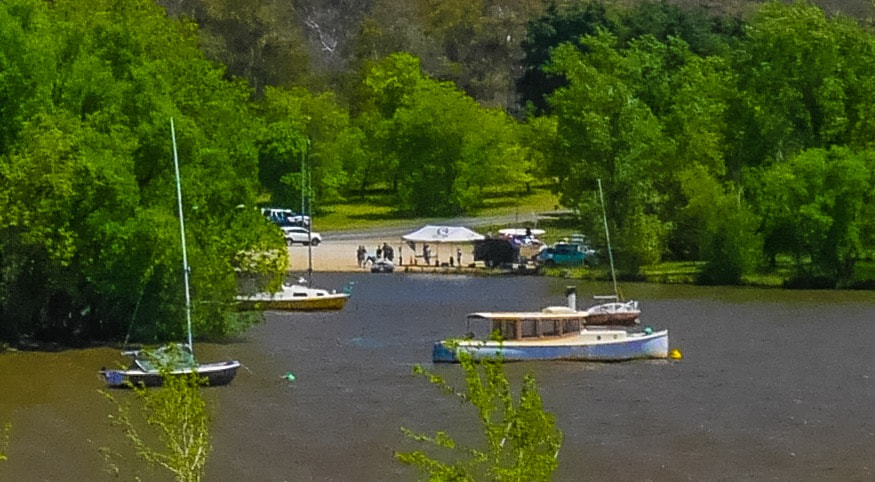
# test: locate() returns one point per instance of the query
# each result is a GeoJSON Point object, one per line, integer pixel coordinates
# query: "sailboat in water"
{"type": "Point", "coordinates": [300, 296]}
{"type": "Point", "coordinates": [612, 310]}
{"type": "Point", "coordinates": [146, 366]}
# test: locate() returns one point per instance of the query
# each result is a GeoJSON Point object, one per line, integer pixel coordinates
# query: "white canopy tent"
{"type": "Point", "coordinates": [442, 235]}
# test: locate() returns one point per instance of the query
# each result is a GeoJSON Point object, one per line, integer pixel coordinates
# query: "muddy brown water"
{"type": "Point", "coordinates": [774, 385]}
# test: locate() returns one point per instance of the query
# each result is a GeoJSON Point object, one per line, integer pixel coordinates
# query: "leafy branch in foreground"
{"type": "Point", "coordinates": [4, 441]}
{"type": "Point", "coordinates": [177, 418]}
{"type": "Point", "coordinates": [522, 439]}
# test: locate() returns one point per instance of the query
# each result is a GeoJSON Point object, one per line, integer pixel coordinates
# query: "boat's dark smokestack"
{"type": "Point", "coordinates": [571, 295]}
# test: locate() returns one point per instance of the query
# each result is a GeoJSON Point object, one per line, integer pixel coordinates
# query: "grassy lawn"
{"type": "Point", "coordinates": [685, 272]}
{"type": "Point", "coordinates": [377, 209]}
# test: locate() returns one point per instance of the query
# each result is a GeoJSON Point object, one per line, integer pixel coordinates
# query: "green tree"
{"type": "Point", "coordinates": [805, 83]}
{"type": "Point", "coordinates": [27, 58]}
{"type": "Point", "coordinates": [556, 26]}
{"type": "Point", "coordinates": [313, 129]}
{"type": "Point", "coordinates": [522, 439]}
{"type": "Point", "coordinates": [449, 149]}
{"type": "Point", "coordinates": [606, 132]}
{"type": "Point", "coordinates": [705, 33]}
{"type": "Point", "coordinates": [815, 208]}
{"type": "Point", "coordinates": [88, 231]}
{"type": "Point", "coordinates": [723, 228]}
{"type": "Point", "coordinates": [176, 416]}
{"type": "Point", "coordinates": [433, 144]}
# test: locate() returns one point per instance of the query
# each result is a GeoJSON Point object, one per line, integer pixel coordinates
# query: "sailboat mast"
{"type": "Point", "coordinates": [608, 239]}
{"type": "Point", "coordinates": [306, 209]}
{"type": "Point", "coordinates": [185, 268]}
{"type": "Point", "coordinates": [309, 225]}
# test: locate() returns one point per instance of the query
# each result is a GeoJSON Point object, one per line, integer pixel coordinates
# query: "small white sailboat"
{"type": "Point", "coordinates": [300, 296]}
{"type": "Point", "coordinates": [295, 297]}
{"type": "Point", "coordinates": [145, 369]}
{"type": "Point", "coordinates": [612, 310]}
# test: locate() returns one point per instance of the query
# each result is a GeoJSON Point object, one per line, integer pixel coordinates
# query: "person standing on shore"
{"type": "Point", "coordinates": [360, 256]}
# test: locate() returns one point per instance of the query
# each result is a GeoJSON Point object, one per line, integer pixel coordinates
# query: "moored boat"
{"type": "Point", "coordinates": [586, 345]}
{"type": "Point", "coordinates": [616, 312]}
{"type": "Point", "coordinates": [294, 297]}
{"type": "Point", "coordinates": [555, 333]}
{"type": "Point", "coordinates": [149, 367]}
{"type": "Point", "coordinates": [145, 368]}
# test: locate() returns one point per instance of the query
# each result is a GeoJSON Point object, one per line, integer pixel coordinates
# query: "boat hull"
{"type": "Point", "coordinates": [321, 303]}
{"type": "Point", "coordinates": [216, 374]}
{"type": "Point", "coordinates": [591, 345]}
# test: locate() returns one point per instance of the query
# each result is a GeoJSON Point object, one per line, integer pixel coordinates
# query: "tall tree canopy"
{"type": "Point", "coordinates": [89, 235]}
{"type": "Point", "coordinates": [444, 148]}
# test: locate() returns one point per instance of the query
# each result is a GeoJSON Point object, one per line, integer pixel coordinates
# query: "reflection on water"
{"type": "Point", "coordinates": [773, 384]}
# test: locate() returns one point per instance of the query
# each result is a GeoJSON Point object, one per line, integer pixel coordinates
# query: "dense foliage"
{"type": "Point", "coordinates": [738, 141]}
{"type": "Point", "coordinates": [89, 234]}
{"type": "Point", "coordinates": [522, 441]}
{"type": "Point", "coordinates": [692, 144]}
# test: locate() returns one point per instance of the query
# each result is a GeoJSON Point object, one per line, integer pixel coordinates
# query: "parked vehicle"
{"type": "Point", "coordinates": [298, 234]}
{"type": "Point", "coordinates": [494, 252]}
{"type": "Point", "coordinates": [562, 254]}
{"type": "Point", "coordinates": [285, 217]}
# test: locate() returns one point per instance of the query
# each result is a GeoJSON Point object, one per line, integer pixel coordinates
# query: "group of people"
{"type": "Point", "coordinates": [364, 258]}
{"type": "Point", "coordinates": [427, 256]}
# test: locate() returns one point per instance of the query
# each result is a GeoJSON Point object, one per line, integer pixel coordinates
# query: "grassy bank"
{"type": "Point", "coordinates": [377, 209]}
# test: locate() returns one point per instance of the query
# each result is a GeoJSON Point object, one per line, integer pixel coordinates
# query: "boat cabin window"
{"type": "Point", "coordinates": [520, 329]}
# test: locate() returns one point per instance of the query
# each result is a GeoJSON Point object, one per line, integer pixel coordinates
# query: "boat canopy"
{"type": "Point", "coordinates": [443, 234]}
{"type": "Point", "coordinates": [537, 324]}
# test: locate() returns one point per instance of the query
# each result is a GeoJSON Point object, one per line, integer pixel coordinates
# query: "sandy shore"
{"type": "Point", "coordinates": [328, 256]}
{"type": "Point", "coordinates": [332, 255]}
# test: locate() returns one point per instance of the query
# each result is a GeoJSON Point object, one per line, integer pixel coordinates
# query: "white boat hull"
{"type": "Point", "coordinates": [294, 298]}
{"type": "Point", "coordinates": [589, 345]}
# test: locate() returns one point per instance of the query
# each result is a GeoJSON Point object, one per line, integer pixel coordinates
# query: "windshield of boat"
{"type": "Point", "coordinates": [172, 357]}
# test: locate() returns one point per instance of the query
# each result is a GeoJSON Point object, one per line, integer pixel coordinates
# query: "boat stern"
{"type": "Point", "coordinates": [442, 353]}
{"type": "Point", "coordinates": [113, 378]}
{"type": "Point", "coordinates": [655, 344]}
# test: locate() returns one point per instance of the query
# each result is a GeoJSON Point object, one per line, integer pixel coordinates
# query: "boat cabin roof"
{"type": "Point", "coordinates": [549, 323]}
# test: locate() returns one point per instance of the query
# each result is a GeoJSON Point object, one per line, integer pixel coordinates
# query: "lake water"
{"type": "Point", "coordinates": [774, 385]}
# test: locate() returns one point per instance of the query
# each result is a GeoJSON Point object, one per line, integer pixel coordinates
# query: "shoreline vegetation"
{"type": "Point", "coordinates": [528, 210]}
